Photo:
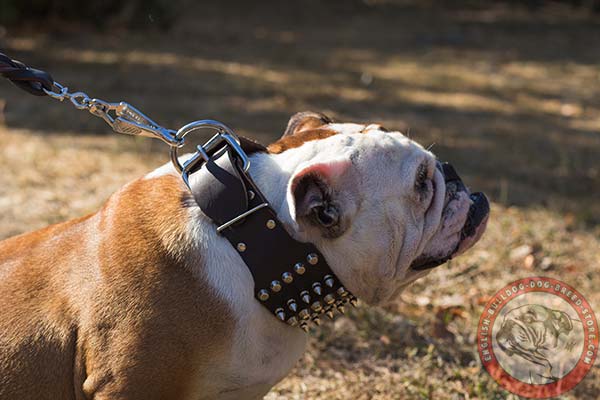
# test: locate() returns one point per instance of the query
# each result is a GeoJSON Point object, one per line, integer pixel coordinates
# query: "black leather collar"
{"type": "Point", "coordinates": [291, 278]}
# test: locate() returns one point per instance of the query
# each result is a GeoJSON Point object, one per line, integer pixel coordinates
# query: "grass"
{"type": "Point", "coordinates": [509, 96]}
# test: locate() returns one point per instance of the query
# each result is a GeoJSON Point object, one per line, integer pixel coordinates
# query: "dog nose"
{"type": "Point", "coordinates": [480, 207]}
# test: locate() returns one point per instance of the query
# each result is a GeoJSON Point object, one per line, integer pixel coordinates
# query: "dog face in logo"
{"type": "Point", "coordinates": [533, 332]}
{"type": "Point", "coordinates": [381, 208]}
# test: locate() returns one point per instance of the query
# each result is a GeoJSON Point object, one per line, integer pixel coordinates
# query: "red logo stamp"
{"type": "Point", "coordinates": [537, 337]}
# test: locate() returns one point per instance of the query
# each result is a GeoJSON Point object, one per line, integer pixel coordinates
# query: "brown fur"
{"type": "Point", "coordinates": [298, 139]}
{"type": "Point", "coordinates": [107, 306]}
{"type": "Point", "coordinates": [305, 120]}
{"type": "Point", "coordinates": [306, 126]}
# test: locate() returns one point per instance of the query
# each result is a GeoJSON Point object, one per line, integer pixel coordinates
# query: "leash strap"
{"type": "Point", "coordinates": [122, 117]}
{"type": "Point", "coordinates": [31, 80]}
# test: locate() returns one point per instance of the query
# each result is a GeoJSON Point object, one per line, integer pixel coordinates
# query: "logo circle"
{"type": "Point", "coordinates": [537, 337]}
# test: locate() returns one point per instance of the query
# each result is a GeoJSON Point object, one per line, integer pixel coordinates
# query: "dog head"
{"type": "Point", "coordinates": [381, 208]}
{"type": "Point", "coordinates": [528, 327]}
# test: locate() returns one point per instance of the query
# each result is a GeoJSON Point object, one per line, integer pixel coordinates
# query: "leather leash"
{"type": "Point", "coordinates": [31, 80]}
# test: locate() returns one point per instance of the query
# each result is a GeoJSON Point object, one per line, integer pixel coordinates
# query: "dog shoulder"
{"type": "Point", "coordinates": [116, 285]}
{"type": "Point", "coordinates": [154, 297]}
{"type": "Point", "coordinates": [149, 212]}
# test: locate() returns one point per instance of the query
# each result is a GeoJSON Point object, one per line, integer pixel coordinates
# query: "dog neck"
{"type": "Point", "coordinates": [258, 334]}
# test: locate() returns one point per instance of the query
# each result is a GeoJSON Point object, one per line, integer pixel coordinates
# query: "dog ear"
{"type": "Point", "coordinates": [305, 120]}
{"type": "Point", "coordinates": [314, 196]}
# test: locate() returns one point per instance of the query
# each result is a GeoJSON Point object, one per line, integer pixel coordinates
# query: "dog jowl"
{"type": "Point", "coordinates": [144, 299]}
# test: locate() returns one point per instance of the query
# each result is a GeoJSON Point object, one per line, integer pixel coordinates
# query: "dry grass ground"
{"type": "Point", "coordinates": [509, 96]}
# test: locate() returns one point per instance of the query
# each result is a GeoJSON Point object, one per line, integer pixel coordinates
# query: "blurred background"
{"type": "Point", "coordinates": [506, 90]}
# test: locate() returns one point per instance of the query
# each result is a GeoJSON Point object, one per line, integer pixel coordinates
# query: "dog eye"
{"type": "Point", "coordinates": [421, 178]}
{"type": "Point", "coordinates": [326, 216]}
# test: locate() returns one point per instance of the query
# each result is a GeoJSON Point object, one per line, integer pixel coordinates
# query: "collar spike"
{"type": "Point", "coordinates": [329, 281]}
{"type": "Point", "coordinates": [280, 314]}
{"type": "Point", "coordinates": [304, 326]}
{"type": "Point", "coordinates": [305, 297]}
{"type": "Point", "coordinates": [341, 309]}
{"type": "Point", "coordinates": [317, 288]}
{"type": "Point", "coordinates": [292, 305]}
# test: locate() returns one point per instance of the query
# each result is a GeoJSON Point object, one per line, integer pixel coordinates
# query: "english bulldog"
{"type": "Point", "coordinates": [145, 300]}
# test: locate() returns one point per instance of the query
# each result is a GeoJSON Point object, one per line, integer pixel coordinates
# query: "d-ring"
{"type": "Point", "coordinates": [225, 136]}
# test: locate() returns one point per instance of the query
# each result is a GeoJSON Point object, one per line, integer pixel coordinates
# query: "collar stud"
{"type": "Point", "coordinates": [263, 295]}
{"type": "Point", "coordinates": [275, 286]}
{"type": "Point", "coordinates": [299, 269]}
{"type": "Point", "coordinates": [287, 277]}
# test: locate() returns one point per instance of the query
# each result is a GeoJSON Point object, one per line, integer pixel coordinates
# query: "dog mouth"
{"type": "Point", "coordinates": [473, 226]}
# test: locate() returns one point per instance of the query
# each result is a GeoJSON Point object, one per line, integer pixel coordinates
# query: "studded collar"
{"type": "Point", "coordinates": [291, 279]}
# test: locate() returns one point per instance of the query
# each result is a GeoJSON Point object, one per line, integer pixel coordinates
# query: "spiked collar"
{"type": "Point", "coordinates": [291, 279]}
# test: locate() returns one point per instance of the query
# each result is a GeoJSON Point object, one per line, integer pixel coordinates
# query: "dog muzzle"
{"type": "Point", "coordinates": [474, 225]}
